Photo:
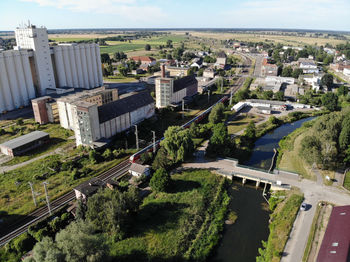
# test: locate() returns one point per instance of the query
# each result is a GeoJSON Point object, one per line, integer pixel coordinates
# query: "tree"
{"type": "Point", "coordinates": [330, 101]}
{"type": "Point", "coordinates": [217, 113]}
{"type": "Point", "coordinates": [160, 181]}
{"type": "Point", "coordinates": [287, 71]}
{"type": "Point", "coordinates": [267, 95]}
{"type": "Point", "coordinates": [219, 143]}
{"type": "Point", "coordinates": [169, 43]}
{"type": "Point", "coordinates": [109, 70]}
{"type": "Point", "coordinates": [297, 72]}
{"type": "Point", "coordinates": [279, 96]}
{"type": "Point", "coordinates": [344, 136]}
{"type": "Point", "coordinates": [177, 143]}
{"type": "Point", "coordinates": [111, 211]}
{"type": "Point", "coordinates": [107, 154]}
{"type": "Point", "coordinates": [79, 242]}
{"type": "Point", "coordinates": [105, 58]}
{"type": "Point", "coordinates": [161, 160]}
{"type": "Point", "coordinates": [147, 47]}
{"type": "Point", "coordinates": [327, 80]}
{"type": "Point", "coordinates": [45, 249]}
{"type": "Point", "coordinates": [342, 90]}
{"type": "Point", "coordinates": [250, 131]}
{"type": "Point", "coordinates": [122, 70]}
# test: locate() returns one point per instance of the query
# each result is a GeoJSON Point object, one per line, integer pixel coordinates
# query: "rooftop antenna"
{"type": "Point", "coordinates": [28, 23]}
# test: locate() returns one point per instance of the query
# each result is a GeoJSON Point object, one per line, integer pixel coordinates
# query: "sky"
{"type": "Point", "coordinates": [287, 14]}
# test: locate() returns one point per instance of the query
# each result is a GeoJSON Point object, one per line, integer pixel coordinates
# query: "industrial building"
{"type": "Point", "coordinates": [34, 68]}
{"type": "Point", "coordinates": [335, 243]}
{"type": "Point", "coordinates": [54, 108]}
{"type": "Point", "coordinates": [93, 119]}
{"type": "Point", "coordinates": [170, 91]}
{"type": "Point", "coordinates": [23, 144]}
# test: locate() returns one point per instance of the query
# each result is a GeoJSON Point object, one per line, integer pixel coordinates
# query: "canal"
{"type": "Point", "coordinates": [263, 150]}
{"type": "Point", "coordinates": [241, 241]}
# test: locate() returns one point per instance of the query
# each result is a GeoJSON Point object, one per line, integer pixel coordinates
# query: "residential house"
{"type": "Point", "coordinates": [209, 73]}
{"type": "Point", "coordinates": [144, 60]}
{"type": "Point", "coordinates": [197, 62]}
{"type": "Point", "coordinates": [139, 170]}
{"type": "Point", "coordinates": [308, 66]}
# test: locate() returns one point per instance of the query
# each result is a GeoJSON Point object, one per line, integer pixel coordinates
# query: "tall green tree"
{"type": "Point", "coordinates": [330, 101]}
{"type": "Point", "coordinates": [217, 114]}
{"type": "Point", "coordinates": [160, 181]}
{"type": "Point", "coordinates": [327, 80]}
{"type": "Point", "coordinates": [178, 143]}
{"type": "Point", "coordinates": [147, 47]}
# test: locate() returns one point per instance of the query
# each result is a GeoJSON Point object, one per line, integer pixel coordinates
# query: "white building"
{"type": "Point", "coordinates": [92, 123]}
{"type": "Point", "coordinates": [34, 68]}
{"type": "Point", "coordinates": [170, 91]}
{"type": "Point", "coordinates": [308, 66]}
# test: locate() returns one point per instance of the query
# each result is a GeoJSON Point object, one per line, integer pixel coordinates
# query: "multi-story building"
{"type": "Point", "coordinates": [221, 59]}
{"type": "Point", "coordinates": [170, 91]}
{"type": "Point", "coordinates": [35, 69]}
{"type": "Point", "coordinates": [95, 115]}
{"type": "Point", "coordinates": [268, 69]}
{"type": "Point", "coordinates": [177, 71]}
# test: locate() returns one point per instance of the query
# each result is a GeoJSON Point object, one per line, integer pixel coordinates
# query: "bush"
{"type": "Point", "coordinates": [23, 243]}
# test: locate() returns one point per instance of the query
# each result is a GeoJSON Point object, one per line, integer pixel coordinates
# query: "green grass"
{"type": "Point", "coordinates": [139, 44]}
{"type": "Point", "coordinates": [120, 79]}
{"type": "Point", "coordinates": [347, 180]}
{"type": "Point", "coordinates": [282, 221]}
{"type": "Point", "coordinates": [176, 225]}
{"type": "Point", "coordinates": [15, 194]}
{"type": "Point", "coordinates": [240, 123]}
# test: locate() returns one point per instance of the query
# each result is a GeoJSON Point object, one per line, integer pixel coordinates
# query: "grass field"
{"type": "Point", "coordinates": [291, 160]}
{"type": "Point", "coordinates": [241, 123]}
{"type": "Point", "coordinates": [168, 225]}
{"type": "Point", "coordinates": [289, 40]}
{"type": "Point", "coordinates": [15, 194]}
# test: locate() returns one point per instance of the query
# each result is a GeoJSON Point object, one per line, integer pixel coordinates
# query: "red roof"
{"type": "Point", "coordinates": [335, 244]}
{"type": "Point", "coordinates": [143, 58]}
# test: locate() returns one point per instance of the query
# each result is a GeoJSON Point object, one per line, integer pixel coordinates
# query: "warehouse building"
{"type": "Point", "coordinates": [34, 68]}
{"type": "Point", "coordinates": [93, 122]}
{"type": "Point", "coordinates": [335, 243]}
{"type": "Point", "coordinates": [23, 144]}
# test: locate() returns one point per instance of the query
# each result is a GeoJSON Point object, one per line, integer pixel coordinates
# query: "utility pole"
{"type": "Point", "coordinates": [33, 193]}
{"type": "Point", "coordinates": [231, 96]}
{"type": "Point", "coordinates": [137, 137]}
{"type": "Point", "coordinates": [47, 197]}
{"type": "Point", "coordinates": [208, 96]}
{"type": "Point", "coordinates": [222, 83]}
{"type": "Point", "coordinates": [154, 141]}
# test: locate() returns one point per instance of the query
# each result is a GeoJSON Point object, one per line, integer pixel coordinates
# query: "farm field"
{"type": "Point", "coordinates": [284, 39]}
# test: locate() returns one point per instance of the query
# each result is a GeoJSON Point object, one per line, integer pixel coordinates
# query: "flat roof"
{"type": "Point", "coordinates": [26, 139]}
{"type": "Point", "coordinates": [335, 243]}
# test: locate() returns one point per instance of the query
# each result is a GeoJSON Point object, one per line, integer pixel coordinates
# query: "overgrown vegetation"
{"type": "Point", "coordinates": [283, 216]}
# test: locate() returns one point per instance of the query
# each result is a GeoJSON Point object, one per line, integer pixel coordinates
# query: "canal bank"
{"type": "Point", "coordinates": [263, 151]}
{"type": "Point", "coordinates": [241, 240]}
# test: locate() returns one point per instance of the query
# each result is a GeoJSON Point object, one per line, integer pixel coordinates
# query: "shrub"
{"type": "Point", "coordinates": [160, 180]}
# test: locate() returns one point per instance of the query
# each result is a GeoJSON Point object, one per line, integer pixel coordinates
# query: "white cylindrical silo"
{"type": "Point", "coordinates": [67, 68]}
{"type": "Point", "coordinates": [5, 84]}
{"type": "Point", "coordinates": [11, 73]}
{"type": "Point", "coordinates": [59, 62]}
{"type": "Point", "coordinates": [20, 78]}
{"type": "Point", "coordinates": [84, 66]}
{"type": "Point", "coordinates": [99, 65]}
{"type": "Point", "coordinates": [79, 66]}
{"type": "Point", "coordinates": [73, 66]}
{"type": "Point", "coordinates": [27, 74]}
{"type": "Point", "coordinates": [94, 64]}
{"type": "Point", "coordinates": [89, 66]}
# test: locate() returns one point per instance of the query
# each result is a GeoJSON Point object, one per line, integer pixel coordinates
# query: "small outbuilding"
{"type": "Point", "coordinates": [84, 190]}
{"type": "Point", "coordinates": [23, 144]}
{"type": "Point", "coordinates": [139, 170]}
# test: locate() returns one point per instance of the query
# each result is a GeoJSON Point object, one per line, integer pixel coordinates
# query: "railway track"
{"type": "Point", "coordinates": [22, 225]}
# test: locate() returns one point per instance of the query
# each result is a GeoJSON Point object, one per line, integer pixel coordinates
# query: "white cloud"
{"type": "Point", "coordinates": [131, 9]}
{"type": "Point", "coordinates": [313, 14]}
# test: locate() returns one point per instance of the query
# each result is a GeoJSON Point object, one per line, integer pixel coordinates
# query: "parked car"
{"type": "Point", "coordinates": [303, 207]}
